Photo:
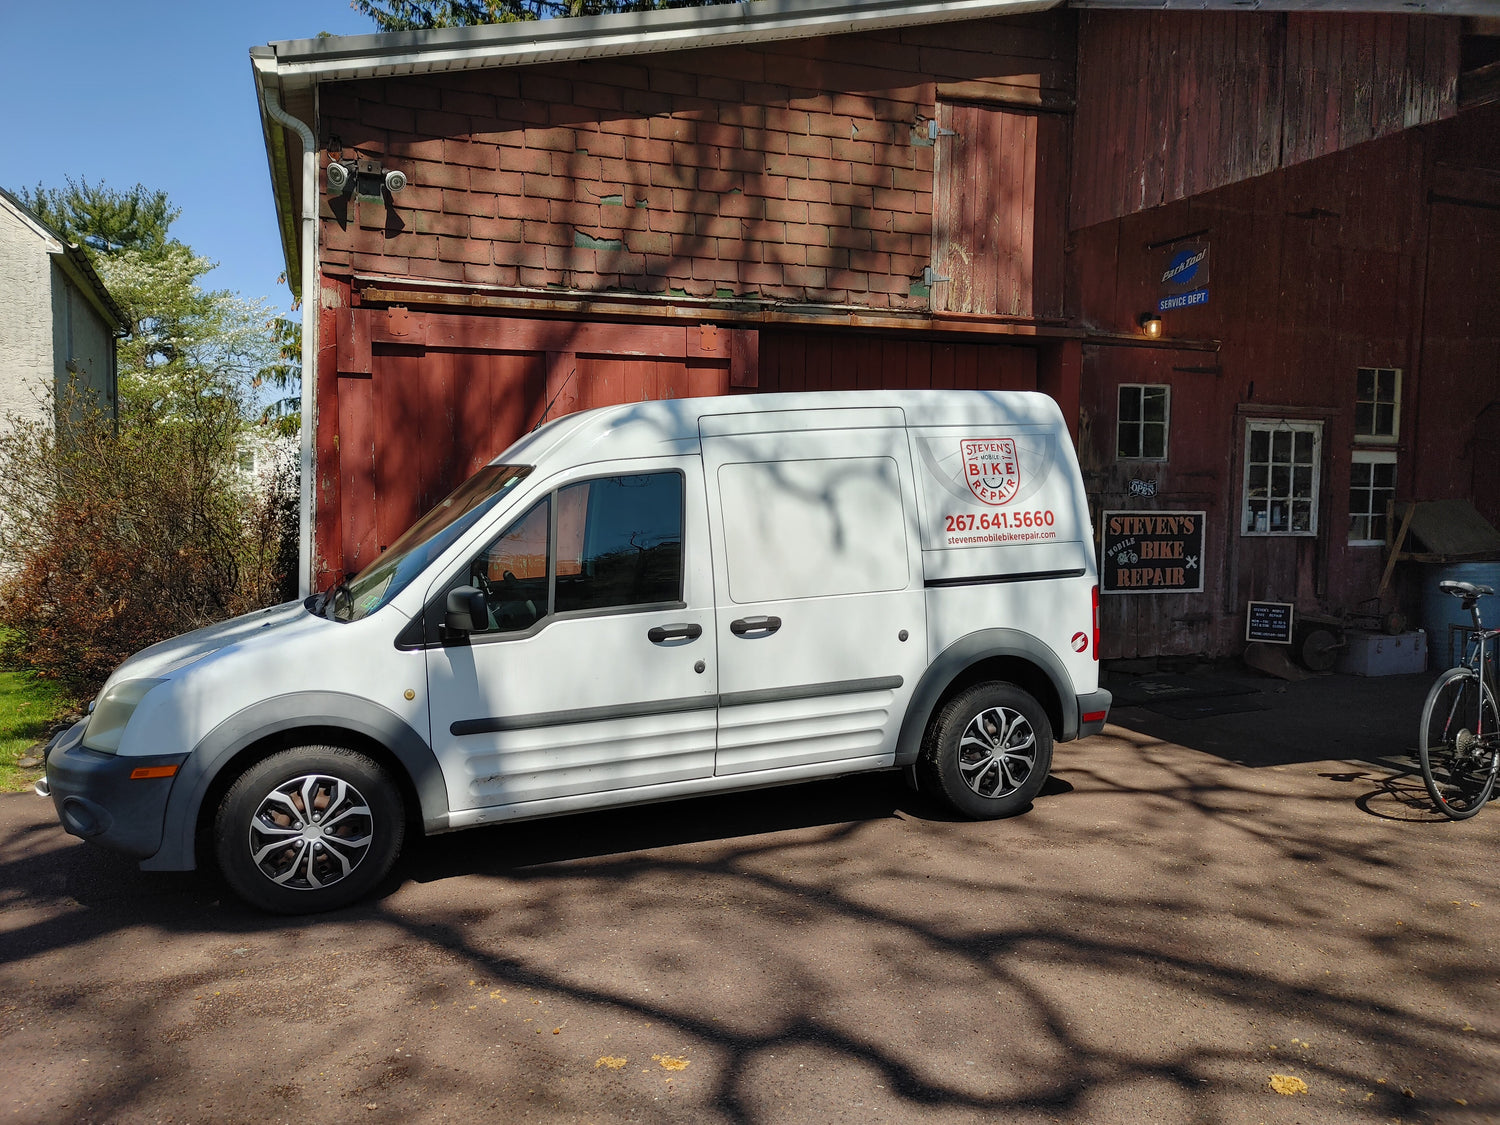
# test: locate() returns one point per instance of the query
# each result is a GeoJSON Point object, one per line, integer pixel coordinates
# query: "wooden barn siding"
{"type": "Point", "coordinates": [795, 171]}
{"type": "Point", "coordinates": [1175, 104]}
{"type": "Point", "coordinates": [1379, 277]}
{"type": "Point", "coordinates": [419, 411]}
{"type": "Point", "coordinates": [998, 211]}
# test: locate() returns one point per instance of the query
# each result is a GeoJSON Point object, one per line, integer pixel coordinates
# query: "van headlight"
{"type": "Point", "coordinates": [112, 711]}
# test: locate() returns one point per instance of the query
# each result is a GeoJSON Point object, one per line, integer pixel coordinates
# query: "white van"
{"type": "Point", "coordinates": [631, 604]}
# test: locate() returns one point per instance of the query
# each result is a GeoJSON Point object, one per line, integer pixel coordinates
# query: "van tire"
{"type": "Point", "coordinates": [1003, 764]}
{"type": "Point", "coordinates": [365, 821]}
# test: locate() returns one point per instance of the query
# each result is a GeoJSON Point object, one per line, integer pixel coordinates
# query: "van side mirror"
{"type": "Point", "coordinates": [467, 611]}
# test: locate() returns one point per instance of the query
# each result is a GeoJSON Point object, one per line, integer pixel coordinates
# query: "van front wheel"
{"type": "Point", "coordinates": [988, 751]}
{"type": "Point", "coordinates": [308, 829]}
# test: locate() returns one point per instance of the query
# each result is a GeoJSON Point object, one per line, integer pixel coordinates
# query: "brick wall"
{"type": "Point", "coordinates": [794, 172]}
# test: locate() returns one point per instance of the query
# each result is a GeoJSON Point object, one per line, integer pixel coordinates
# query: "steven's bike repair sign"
{"type": "Point", "coordinates": [1152, 553]}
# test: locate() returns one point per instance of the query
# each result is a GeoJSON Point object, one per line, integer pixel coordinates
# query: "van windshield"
{"type": "Point", "coordinates": [419, 545]}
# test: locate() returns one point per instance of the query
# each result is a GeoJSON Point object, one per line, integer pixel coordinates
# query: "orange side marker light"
{"type": "Point", "coordinates": [145, 772]}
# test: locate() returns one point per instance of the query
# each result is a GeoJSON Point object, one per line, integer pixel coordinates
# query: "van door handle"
{"type": "Point", "coordinates": [661, 633]}
{"type": "Point", "coordinates": [761, 626]}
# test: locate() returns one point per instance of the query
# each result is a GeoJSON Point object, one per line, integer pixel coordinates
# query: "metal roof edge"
{"type": "Point", "coordinates": [73, 261]}
{"type": "Point", "coordinates": [626, 33]}
{"type": "Point", "coordinates": [1309, 7]}
{"type": "Point", "coordinates": [263, 67]}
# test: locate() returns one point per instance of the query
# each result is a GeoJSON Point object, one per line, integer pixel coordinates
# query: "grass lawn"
{"type": "Point", "coordinates": [29, 708]}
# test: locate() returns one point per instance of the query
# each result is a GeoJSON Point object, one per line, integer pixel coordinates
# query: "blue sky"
{"type": "Point", "coordinates": [158, 93]}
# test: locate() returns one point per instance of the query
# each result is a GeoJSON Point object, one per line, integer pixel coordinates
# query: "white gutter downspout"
{"type": "Point", "coordinates": [310, 306]}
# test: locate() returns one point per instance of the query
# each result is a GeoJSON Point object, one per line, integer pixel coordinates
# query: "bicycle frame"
{"type": "Point", "coordinates": [1477, 657]}
{"type": "Point", "coordinates": [1459, 761]}
{"type": "Point", "coordinates": [1476, 648]}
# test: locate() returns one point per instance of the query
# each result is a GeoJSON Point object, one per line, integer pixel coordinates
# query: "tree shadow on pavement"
{"type": "Point", "coordinates": [1152, 942]}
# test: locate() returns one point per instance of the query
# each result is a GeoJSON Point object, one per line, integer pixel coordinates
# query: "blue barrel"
{"type": "Point", "coordinates": [1440, 610]}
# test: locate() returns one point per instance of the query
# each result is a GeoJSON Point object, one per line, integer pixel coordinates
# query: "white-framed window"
{"type": "Point", "coordinates": [1141, 429]}
{"type": "Point", "coordinates": [1281, 477]}
{"type": "Point", "coordinates": [1377, 404]}
{"type": "Point", "coordinates": [1372, 486]}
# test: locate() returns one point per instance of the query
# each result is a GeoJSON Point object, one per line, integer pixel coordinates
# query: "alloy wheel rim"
{"type": "Point", "coordinates": [997, 752]}
{"type": "Point", "coordinates": [311, 832]}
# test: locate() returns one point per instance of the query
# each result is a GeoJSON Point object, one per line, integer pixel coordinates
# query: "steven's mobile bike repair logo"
{"type": "Point", "coordinates": [991, 469]}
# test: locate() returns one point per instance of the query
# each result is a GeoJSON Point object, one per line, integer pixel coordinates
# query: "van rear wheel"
{"type": "Point", "coordinates": [988, 751]}
{"type": "Point", "coordinates": [308, 829]}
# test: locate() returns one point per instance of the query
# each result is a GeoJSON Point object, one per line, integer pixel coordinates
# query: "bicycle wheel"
{"type": "Point", "coordinates": [1459, 746]}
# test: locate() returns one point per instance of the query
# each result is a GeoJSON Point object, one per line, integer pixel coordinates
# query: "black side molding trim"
{"type": "Point", "coordinates": [669, 706]}
{"type": "Point", "coordinates": [990, 579]}
{"type": "Point", "coordinates": [583, 715]}
{"type": "Point", "coordinates": [810, 691]}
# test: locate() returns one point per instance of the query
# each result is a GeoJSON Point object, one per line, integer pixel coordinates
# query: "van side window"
{"type": "Point", "coordinates": [619, 542]}
{"type": "Point", "coordinates": [512, 571]}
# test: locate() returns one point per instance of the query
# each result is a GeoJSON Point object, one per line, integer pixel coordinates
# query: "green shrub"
{"type": "Point", "coordinates": [112, 541]}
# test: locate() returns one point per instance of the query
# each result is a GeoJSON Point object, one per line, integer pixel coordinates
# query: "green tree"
{"type": "Point", "coordinates": [283, 378]}
{"type": "Point", "coordinates": [103, 220]}
{"type": "Point", "coordinates": [419, 15]}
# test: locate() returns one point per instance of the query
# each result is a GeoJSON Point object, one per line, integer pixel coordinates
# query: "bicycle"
{"type": "Point", "coordinates": [1459, 743]}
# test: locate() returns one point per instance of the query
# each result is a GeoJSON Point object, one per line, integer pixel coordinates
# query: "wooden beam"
{"type": "Point", "coordinates": [1008, 94]}
{"type": "Point", "coordinates": [1390, 562]}
{"type": "Point", "coordinates": [1479, 86]}
{"type": "Point", "coordinates": [625, 308]}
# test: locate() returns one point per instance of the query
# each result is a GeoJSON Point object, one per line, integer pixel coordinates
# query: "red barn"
{"type": "Point", "coordinates": [505, 223]}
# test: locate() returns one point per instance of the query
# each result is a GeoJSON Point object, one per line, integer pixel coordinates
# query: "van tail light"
{"type": "Point", "coordinates": [1096, 621]}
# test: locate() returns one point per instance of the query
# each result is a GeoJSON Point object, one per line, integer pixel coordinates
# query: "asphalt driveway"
{"type": "Point", "coordinates": [1196, 907]}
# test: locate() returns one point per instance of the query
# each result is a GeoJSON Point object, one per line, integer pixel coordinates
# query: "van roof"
{"type": "Point", "coordinates": [667, 426]}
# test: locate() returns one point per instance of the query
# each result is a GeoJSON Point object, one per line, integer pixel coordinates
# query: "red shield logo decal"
{"type": "Point", "coordinates": [991, 469]}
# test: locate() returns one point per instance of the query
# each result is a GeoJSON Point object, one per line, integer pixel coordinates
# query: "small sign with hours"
{"type": "Point", "coordinates": [1269, 622]}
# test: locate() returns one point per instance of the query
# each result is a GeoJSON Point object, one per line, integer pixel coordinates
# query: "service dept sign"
{"type": "Point", "coordinates": [1152, 553]}
{"type": "Point", "coordinates": [1184, 277]}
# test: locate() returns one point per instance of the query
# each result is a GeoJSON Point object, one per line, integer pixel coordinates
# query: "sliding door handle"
{"type": "Point", "coordinates": [754, 626]}
{"type": "Point", "coordinates": [660, 634]}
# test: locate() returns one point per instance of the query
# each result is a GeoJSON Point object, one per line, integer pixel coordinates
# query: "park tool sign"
{"type": "Point", "coordinates": [1184, 277]}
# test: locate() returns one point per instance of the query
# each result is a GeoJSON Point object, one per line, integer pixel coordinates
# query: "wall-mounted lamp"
{"type": "Point", "coordinates": [365, 180]}
{"type": "Point", "coordinates": [1150, 325]}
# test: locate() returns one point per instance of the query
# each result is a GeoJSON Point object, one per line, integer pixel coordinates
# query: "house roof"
{"type": "Point", "coordinates": [72, 260]}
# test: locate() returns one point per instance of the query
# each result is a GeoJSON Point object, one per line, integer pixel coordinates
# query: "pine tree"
{"type": "Point", "coordinates": [103, 220]}
{"type": "Point", "coordinates": [421, 15]}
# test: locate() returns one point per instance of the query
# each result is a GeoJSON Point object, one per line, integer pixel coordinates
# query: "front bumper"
{"type": "Point", "coordinates": [98, 800]}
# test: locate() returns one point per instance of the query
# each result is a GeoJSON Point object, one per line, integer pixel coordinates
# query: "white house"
{"type": "Point", "coordinates": [60, 322]}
